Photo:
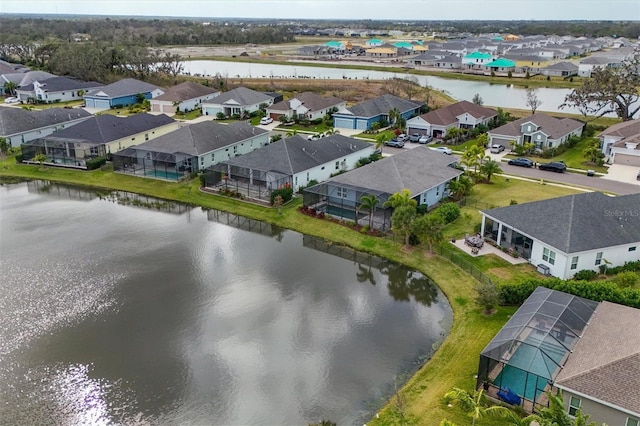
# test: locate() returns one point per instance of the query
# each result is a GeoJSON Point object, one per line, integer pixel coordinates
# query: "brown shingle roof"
{"type": "Point", "coordinates": [555, 128]}
{"type": "Point", "coordinates": [623, 130]}
{"type": "Point", "coordinates": [447, 115]}
{"type": "Point", "coordinates": [185, 91]}
{"type": "Point", "coordinates": [605, 364]}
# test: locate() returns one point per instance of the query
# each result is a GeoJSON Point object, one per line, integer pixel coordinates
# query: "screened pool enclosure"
{"type": "Point", "coordinates": [530, 350]}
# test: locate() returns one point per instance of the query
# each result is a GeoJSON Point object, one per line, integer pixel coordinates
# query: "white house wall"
{"type": "Point", "coordinates": [139, 138]}
{"type": "Point", "coordinates": [230, 151]}
{"type": "Point", "coordinates": [19, 138]}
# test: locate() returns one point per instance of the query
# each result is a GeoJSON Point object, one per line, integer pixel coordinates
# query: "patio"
{"type": "Point", "coordinates": [488, 249]}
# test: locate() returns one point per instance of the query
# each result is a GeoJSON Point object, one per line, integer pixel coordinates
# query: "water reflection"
{"type": "Point", "coordinates": [120, 315]}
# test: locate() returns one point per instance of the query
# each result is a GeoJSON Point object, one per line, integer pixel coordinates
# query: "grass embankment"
{"type": "Point", "coordinates": [454, 364]}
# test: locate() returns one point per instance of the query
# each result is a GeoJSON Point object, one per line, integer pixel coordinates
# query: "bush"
{"type": "Point", "coordinates": [448, 212]}
{"type": "Point", "coordinates": [628, 266]}
{"type": "Point", "coordinates": [585, 275]}
{"type": "Point", "coordinates": [516, 294]}
{"type": "Point", "coordinates": [285, 193]}
{"type": "Point", "coordinates": [311, 183]}
{"type": "Point", "coordinates": [414, 240]}
{"type": "Point", "coordinates": [19, 158]}
{"type": "Point", "coordinates": [627, 279]}
{"type": "Point", "coordinates": [422, 209]}
{"type": "Point", "coordinates": [488, 296]}
{"type": "Point", "coordinates": [203, 181]}
{"type": "Point", "coordinates": [95, 163]}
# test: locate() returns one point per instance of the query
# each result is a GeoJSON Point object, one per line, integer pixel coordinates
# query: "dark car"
{"type": "Point", "coordinates": [522, 162]}
{"type": "Point", "coordinates": [395, 143]}
{"type": "Point", "coordinates": [554, 166]}
{"type": "Point", "coordinates": [415, 137]}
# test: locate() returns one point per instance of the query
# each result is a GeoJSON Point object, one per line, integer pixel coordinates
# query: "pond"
{"type": "Point", "coordinates": [121, 309]}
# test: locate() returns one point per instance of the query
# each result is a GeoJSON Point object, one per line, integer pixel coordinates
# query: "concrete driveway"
{"type": "Point", "coordinates": [623, 173]}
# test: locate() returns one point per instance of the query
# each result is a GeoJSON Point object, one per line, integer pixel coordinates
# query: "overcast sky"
{"type": "Point", "coordinates": [342, 9]}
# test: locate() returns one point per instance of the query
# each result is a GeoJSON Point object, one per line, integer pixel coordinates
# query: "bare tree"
{"type": "Point", "coordinates": [533, 101]}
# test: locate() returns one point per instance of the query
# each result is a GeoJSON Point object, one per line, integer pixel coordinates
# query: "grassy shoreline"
{"type": "Point", "coordinates": [453, 364]}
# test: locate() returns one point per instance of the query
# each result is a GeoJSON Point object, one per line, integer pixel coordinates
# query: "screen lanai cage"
{"type": "Point", "coordinates": [344, 201]}
{"type": "Point", "coordinates": [530, 350]}
{"type": "Point", "coordinates": [154, 164]}
{"type": "Point", "coordinates": [246, 181]}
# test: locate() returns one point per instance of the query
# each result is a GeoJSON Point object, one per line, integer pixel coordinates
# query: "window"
{"type": "Point", "coordinates": [598, 258]}
{"type": "Point", "coordinates": [213, 157]}
{"type": "Point", "coordinates": [235, 149]}
{"type": "Point", "coordinates": [341, 192]}
{"type": "Point", "coordinates": [549, 256]}
{"type": "Point", "coordinates": [146, 136]}
{"type": "Point", "coordinates": [631, 422]}
{"type": "Point", "coordinates": [337, 165]}
{"type": "Point", "coordinates": [632, 248]}
{"type": "Point", "coordinates": [574, 405]}
{"type": "Point", "coordinates": [574, 262]}
{"type": "Point", "coordinates": [307, 176]}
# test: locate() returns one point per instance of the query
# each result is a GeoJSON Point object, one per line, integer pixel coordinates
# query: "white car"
{"type": "Point", "coordinates": [11, 100]}
{"type": "Point", "coordinates": [266, 120]}
{"type": "Point", "coordinates": [442, 149]}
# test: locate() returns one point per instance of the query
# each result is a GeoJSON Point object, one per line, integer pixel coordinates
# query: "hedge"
{"type": "Point", "coordinates": [516, 294]}
{"type": "Point", "coordinates": [285, 193]}
{"type": "Point", "coordinates": [95, 163]}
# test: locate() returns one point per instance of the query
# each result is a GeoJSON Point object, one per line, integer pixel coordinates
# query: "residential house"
{"type": "Point", "coordinates": [120, 94]}
{"type": "Point", "coordinates": [532, 64]}
{"type": "Point", "coordinates": [452, 62]}
{"type": "Point", "coordinates": [18, 125]}
{"type": "Point", "coordinates": [557, 341]}
{"type": "Point", "coordinates": [424, 59]}
{"type": "Point", "coordinates": [55, 89]}
{"type": "Point", "coordinates": [236, 102]}
{"type": "Point", "coordinates": [374, 42]}
{"type": "Point", "coordinates": [621, 143]}
{"type": "Point", "coordinates": [501, 65]}
{"type": "Point", "coordinates": [182, 97]}
{"type": "Point", "coordinates": [424, 172]}
{"type": "Point", "coordinates": [589, 65]}
{"type": "Point", "coordinates": [601, 377]}
{"type": "Point", "coordinates": [294, 161]}
{"type": "Point", "coordinates": [363, 115]}
{"type": "Point", "coordinates": [190, 149]}
{"type": "Point", "coordinates": [476, 60]}
{"type": "Point", "coordinates": [22, 79]}
{"type": "Point", "coordinates": [385, 51]}
{"type": "Point", "coordinates": [564, 235]}
{"type": "Point", "coordinates": [560, 69]}
{"type": "Point", "coordinates": [97, 136]}
{"type": "Point", "coordinates": [305, 105]}
{"type": "Point", "coordinates": [543, 130]}
{"type": "Point", "coordinates": [461, 115]}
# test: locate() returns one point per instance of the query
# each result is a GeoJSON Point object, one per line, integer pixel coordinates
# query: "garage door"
{"type": "Point", "coordinates": [412, 130]}
{"type": "Point", "coordinates": [101, 104]}
{"type": "Point", "coordinates": [627, 160]}
{"type": "Point", "coordinates": [362, 125]}
{"type": "Point", "coordinates": [499, 141]}
{"type": "Point", "coordinates": [343, 123]}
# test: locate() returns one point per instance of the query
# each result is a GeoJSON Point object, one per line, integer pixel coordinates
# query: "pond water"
{"type": "Point", "coordinates": [119, 309]}
{"type": "Point", "coordinates": [497, 95]}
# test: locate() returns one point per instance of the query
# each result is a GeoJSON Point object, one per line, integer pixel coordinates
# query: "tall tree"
{"type": "Point", "coordinates": [609, 90]}
{"type": "Point", "coordinates": [394, 114]}
{"type": "Point", "coordinates": [428, 228]}
{"type": "Point", "coordinates": [490, 168]}
{"type": "Point", "coordinates": [477, 99]}
{"type": "Point", "coordinates": [400, 199]}
{"type": "Point", "coordinates": [401, 221]}
{"type": "Point", "coordinates": [473, 404]}
{"type": "Point", "coordinates": [369, 203]}
{"type": "Point", "coordinates": [533, 101]}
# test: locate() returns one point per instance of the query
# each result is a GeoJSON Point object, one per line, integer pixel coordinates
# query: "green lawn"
{"type": "Point", "coordinates": [372, 136]}
{"type": "Point", "coordinates": [190, 115]}
{"type": "Point", "coordinates": [573, 158]}
{"type": "Point", "coordinates": [454, 364]}
{"type": "Point", "coordinates": [312, 128]}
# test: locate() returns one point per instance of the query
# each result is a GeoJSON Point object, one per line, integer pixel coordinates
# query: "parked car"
{"type": "Point", "coordinates": [496, 149]}
{"type": "Point", "coordinates": [395, 143]}
{"type": "Point", "coordinates": [554, 166]}
{"type": "Point", "coordinates": [442, 149]}
{"type": "Point", "coordinates": [402, 137]}
{"type": "Point", "coordinates": [425, 139]}
{"type": "Point", "coordinates": [522, 162]}
{"type": "Point", "coordinates": [266, 120]}
{"type": "Point", "coordinates": [11, 100]}
{"type": "Point", "coordinates": [415, 137]}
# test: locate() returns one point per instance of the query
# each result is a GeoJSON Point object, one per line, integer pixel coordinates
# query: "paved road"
{"type": "Point", "coordinates": [573, 179]}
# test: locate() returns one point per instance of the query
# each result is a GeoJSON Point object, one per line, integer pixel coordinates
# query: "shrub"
{"type": "Point", "coordinates": [311, 183]}
{"type": "Point", "coordinates": [220, 115]}
{"type": "Point", "coordinates": [585, 275]}
{"type": "Point", "coordinates": [285, 193]}
{"type": "Point", "coordinates": [414, 240]}
{"type": "Point", "coordinates": [95, 163]}
{"type": "Point", "coordinates": [627, 279]}
{"type": "Point", "coordinates": [448, 212]}
{"type": "Point", "coordinates": [203, 180]}
{"type": "Point", "coordinates": [422, 209]}
{"type": "Point", "coordinates": [628, 266]}
{"type": "Point", "coordinates": [19, 158]}
{"type": "Point", "coordinates": [488, 296]}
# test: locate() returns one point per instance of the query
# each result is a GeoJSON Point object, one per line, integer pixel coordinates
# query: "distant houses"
{"type": "Point", "coordinates": [543, 130]}
{"type": "Point", "coordinates": [120, 94]}
{"type": "Point", "coordinates": [461, 115]}
{"type": "Point", "coordinates": [305, 105]}
{"type": "Point", "coordinates": [183, 97]}
{"type": "Point", "coordinates": [363, 115]}
{"type": "Point", "coordinates": [18, 125]}
{"type": "Point", "coordinates": [236, 102]}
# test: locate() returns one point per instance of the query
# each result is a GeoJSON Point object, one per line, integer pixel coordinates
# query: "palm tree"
{"type": "Point", "coordinates": [10, 87]}
{"type": "Point", "coordinates": [400, 199]}
{"type": "Point", "coordinates": [490, 168]}
{"type": "Point", "coordinates": [401, 220]}
{"type": "Point", "coordinates": [474, 405]}
{"type": "Point", "coordinates": [394, 114]}
{"type": "Point", "coordinates": [381, 139]}
{"type": "Point", "coordinates": [332, 132]}
{"type": "Point", "coordinates": [369, 202]}
{"type": "Point", "coordinates": [292, 133]}
{"type": "Point", "coordinates": [428, 228]}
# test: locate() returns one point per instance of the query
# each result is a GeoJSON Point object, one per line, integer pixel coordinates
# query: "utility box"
{"type": "Point", "coordinates": [543, 269]}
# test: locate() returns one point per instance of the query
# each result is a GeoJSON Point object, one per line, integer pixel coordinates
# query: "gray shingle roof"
{"type": "Point", "coordinates": [417, 169]}
{"type": "Point", "coordinates": [605, 363]}
{"type": "Point", "coordinates": [126, 87]}
{"type": "Point", "coordinates": [563, 66]}
{"type": "Point", "coordinates": [57, 84]}
{"type": "Point", "coordinates": [297, 154]}
{"type": "Point", "coordinates": [25, 78]}
{"type": "Point", "coordinates": [382, 105]}
{"type": "Point", "coordinates": [106, 128]}
{"type": "Point", "coordinates": [623, 130]}
{"type": "Point", "coordinates": [577, 222]}
{"type": "Point", "coordinates": [203, 137]}
{"type": "Point", "coordinates": [185, 91]}
{"type": "Point", "coordinates": [555, 128]}
{"type": "Point", "coordinates": [242, 96]}
{"type": "Point", "coordinates": [18, 120]}
{"type": "Point", "coordinates": [448, 114]}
